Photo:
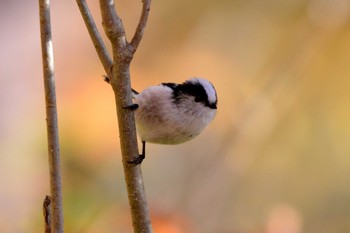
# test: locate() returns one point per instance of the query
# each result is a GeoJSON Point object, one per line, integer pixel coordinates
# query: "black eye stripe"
{"type": "Point", "coordinates": [194, 89]}
{"type": "Point", "coordinates": [190, 88]}
{"type": "Point", "coordinates": [197, 91]}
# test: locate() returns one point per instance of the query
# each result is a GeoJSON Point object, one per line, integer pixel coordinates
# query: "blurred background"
{"type": "Point", "coordinates": [276, 159]}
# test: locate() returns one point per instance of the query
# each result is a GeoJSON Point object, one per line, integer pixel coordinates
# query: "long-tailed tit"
{"type": "Point", "coordinates": [173, 113]}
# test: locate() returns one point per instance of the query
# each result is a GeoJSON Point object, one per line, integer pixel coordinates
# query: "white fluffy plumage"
{"type": "Point", "coordinates": [175, 113]}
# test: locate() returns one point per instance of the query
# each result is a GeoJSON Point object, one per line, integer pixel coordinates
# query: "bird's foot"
{"type": "Point", "coordinates": [138, 160]}
{"type": "Point", "coordinates": [132, 107]}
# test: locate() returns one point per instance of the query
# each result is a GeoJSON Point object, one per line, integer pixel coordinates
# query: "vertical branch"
{"type": "Point", "coordinates": [51, 118]}
{"type": "Point", "coordinates": [119, 77]}
{"type": "Point", "coordinates": [112, 24]}
{"type": "Point", "coordinates": [120, 81]}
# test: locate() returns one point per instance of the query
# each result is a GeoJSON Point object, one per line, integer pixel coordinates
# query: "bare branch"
{"type": "Point", "coordinates": [128, 143]}
{"type": "Point", "coordinates": [120, 82]}
{"type": "Point", "coordinates": [112, 24]}
{"type": "Point", "coordinates": [51, 118]}
{"type": "Point", "coordinates": [119, 77]}
{"type": "Point", "coordinates": [141, 25]}
{"type": "Point", "coordinates": [95, 36]}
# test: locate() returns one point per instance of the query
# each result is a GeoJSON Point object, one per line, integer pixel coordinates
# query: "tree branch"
{"type": "Point", "coordinates": [112, 24]}
{"type": "Point", "coordinates": [51, 117]}
{"type": "Point", "coordinates": [120, 80]}
{"type": "Point", "coordinates": [141, 25]}
{"type": "Point", "coordinates": [95, 36]}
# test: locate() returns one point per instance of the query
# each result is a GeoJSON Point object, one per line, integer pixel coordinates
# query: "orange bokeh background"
{"type": "Point", "coordinates": [275, 159]}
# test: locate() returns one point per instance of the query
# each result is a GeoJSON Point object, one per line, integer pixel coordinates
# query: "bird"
{"type": "Point", "coordinates": [172, 113]}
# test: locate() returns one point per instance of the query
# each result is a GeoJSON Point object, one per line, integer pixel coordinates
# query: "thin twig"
{"type": "Point", "coordinates": [51, 118]}
{"type": "Point", "coordinates": [47, 214]}
{"type": "Point", "coordinates": [95, 36]}
{"type": "Point", "coordinates": [141, 25]}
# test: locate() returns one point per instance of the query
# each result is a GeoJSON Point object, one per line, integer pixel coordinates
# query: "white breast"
{"type": "Point", "coordinates": [158, 120]}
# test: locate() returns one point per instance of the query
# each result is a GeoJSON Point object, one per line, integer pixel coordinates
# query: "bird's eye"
{"type": "Point", "coordinates": [212, 106]}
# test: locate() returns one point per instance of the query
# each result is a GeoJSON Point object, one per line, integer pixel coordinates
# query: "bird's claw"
{"type": "Point", "coordinates": [138, 160]}
{"type": "Point", "coordinates": [132, 107]}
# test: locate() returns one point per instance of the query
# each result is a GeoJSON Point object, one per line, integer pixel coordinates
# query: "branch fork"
{"type": "Point", "coordinates": [118, 72]}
